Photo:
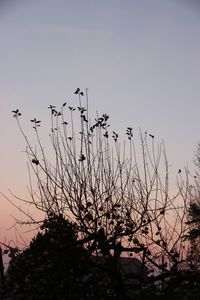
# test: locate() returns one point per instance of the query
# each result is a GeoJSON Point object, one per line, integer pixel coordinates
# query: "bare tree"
{"type": "Point", "coordinates": [117, 192]}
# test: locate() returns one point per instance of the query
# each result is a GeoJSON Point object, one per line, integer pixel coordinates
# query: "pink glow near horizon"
{"type": "Point", "coordinates": [139, 60]}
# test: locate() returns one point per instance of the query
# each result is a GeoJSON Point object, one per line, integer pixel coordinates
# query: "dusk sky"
{"type": "Point", "coordinates": [139, 59]}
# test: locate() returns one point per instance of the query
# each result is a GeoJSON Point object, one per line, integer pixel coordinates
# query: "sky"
{"type": "Point", "coordinates": [139, 59]}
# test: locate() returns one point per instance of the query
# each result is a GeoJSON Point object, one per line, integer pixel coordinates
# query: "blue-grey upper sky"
{"type": "Point", "coordinates": [140, 60]}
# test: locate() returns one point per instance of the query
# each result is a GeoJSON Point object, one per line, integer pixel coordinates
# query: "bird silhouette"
{"type": "Point", "coordinates": [151, 135]}
{"type": "Point", "coordinates": [81, 93]}
{"type": "Point", "coordinates": [77, 91]}
{"type": "Point", "coordinates": [64, 104]}
{"type": "Point", "coordinates": [179, 171]}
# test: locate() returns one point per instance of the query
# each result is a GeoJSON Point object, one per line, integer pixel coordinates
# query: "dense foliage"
{"type": "Point", "coordinates": [52, 267]}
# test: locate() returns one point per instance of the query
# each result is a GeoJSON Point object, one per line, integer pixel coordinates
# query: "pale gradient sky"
{"type": "Point", "coordinates": [140, 60]}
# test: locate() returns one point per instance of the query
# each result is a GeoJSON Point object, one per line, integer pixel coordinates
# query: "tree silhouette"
{"type": "Point", "coordinates": [115, 192]}
{"type": "Point", "coordinates": [54, 266]}
{"type": "Point", "coordinates": [194, 214]}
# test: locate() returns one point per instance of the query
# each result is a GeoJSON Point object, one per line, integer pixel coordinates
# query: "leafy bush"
{"type": "Point", "coordinates": [52, 267]}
